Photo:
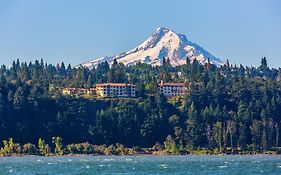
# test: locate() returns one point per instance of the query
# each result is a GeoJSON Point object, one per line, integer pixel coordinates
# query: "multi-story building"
{"type": "Point", "coordinates": [115, 90]}
{"type": "Point", "coordinates": [173, 89]}
{"type": "Point", "coordinates": [78, 91]}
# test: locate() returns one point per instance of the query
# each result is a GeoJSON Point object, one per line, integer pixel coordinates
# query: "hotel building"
{"type": "Point", "coordinates": [173, 89]}
{"type": "Point", "coordinates": [115, 90]}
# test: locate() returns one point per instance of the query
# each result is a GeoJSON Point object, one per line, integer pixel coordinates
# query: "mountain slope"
{"type": "Point", "coordinates": [162, 43]}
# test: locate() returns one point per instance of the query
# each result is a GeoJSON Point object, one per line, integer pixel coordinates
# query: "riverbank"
{"type": "Point", "coordinates": [151, 153]}
{"type": "Point", "coordinates": [81, 149]}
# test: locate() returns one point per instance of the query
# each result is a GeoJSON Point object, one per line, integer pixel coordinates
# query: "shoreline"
{"type": "Point", "coordinates": [135, 155]}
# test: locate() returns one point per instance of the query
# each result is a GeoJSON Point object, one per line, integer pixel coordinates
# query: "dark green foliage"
{"type": "Point", "coordinates": [226, 107]}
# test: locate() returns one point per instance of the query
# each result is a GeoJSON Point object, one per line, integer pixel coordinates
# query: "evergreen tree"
{"type": "Point", "coordinates": [194, 127]}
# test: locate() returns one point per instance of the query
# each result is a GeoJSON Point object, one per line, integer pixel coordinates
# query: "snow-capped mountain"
{"type": "Point", "coordinates": [162, 43]}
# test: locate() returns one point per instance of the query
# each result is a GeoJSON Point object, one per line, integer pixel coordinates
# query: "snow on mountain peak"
{"type": "Point", "coordinates": [162, 43]}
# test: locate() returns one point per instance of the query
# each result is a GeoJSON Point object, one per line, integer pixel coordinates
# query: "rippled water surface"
{"type": "Point", "coordinates": [247, 165]}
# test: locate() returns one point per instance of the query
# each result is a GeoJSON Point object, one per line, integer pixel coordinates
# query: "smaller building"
{"type": "Point", "coordinates": [115, 90]}
{"type": "Point", "coordinates": [173, 89]}
{"type": "Point", "coordinates": [78, 91]}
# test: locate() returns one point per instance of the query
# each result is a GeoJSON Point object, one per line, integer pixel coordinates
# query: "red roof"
{"type": "Point", "coordinates": [78, 89]}
{"type": "Point", "coordinates": [113, 84]}
{"type": "Point", "coordinates": [172, 84]}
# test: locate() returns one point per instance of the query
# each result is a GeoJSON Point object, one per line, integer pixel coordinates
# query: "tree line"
{"type": "Point", "coordinates": [227, 108]}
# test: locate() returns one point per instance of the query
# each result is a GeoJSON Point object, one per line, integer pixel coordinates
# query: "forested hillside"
{"type": "Point", "coordinates": [228, 106]}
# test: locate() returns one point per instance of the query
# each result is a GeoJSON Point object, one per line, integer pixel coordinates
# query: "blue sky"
{"type": "Point", "coordinates": [242, 31]}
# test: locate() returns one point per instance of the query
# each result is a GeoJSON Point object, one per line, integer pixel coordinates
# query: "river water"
{"type": "Point", "coordinates": [86, 165]}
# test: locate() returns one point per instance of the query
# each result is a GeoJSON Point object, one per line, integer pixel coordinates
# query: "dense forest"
{"type": "Point", "coordinates": [230, 106]}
